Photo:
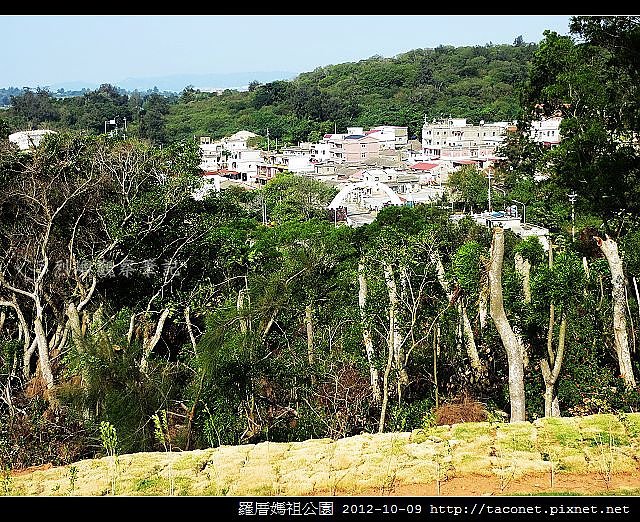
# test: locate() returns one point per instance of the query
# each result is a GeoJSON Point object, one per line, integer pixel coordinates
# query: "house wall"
{"type": "Point", "coordinates": [362, 149]}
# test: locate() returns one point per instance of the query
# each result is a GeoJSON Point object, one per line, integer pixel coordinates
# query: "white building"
{"type": "Point", "coordinates": [320, 151]}
{"type": "Point", "coordinates": [390, 136]}
{"type": "Point", "coordinates": [26, 140]}
{"type": "Point", "coordinates": [547, 131]}
{"type": "Point", "coordinates": [455, 133]}
{"type": "Point", "coordinates": [216, 155]}
{"type": "Point", "coordinates": [453, 142]}
{"type": "Point", "coordinates": [245, 162]}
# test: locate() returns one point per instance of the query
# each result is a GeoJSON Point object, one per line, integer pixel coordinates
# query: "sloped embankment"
{"type": "Point", "coordinates": [596, 452]}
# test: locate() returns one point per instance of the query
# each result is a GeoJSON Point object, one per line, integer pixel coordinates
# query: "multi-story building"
{"type": "Point", "coordinates": [320, 151]}
{"type": "Point", "coordinates": [358, 147]}
{"type": "Point", "coordinates": [271, 163]}
{"type": "Point", "coordinates": [246, 163]}
{"type": "Point", "coordinates": [216, 154]}
{"type": "Point", "coordinates": [390, 136]}
{"type": "Point", "coordinates": [454, 142]}
{"type": "Point", "coordinates": [455, 133]}
{"type": "Point", "coordinates": [353, 146]}
{"type": "Point", "coordinates": [547, 131]}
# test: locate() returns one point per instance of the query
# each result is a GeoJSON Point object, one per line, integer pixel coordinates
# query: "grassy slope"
{"type": "Point", "coordinates": [364, 464]}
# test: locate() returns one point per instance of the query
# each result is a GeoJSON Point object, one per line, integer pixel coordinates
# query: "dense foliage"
{"type": "Point", "coordinates": [479, 83]}
{"type": "Point", "coordinates": [186, 323]}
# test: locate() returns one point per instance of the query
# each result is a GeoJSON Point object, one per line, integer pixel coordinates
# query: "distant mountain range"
{"type": "Point", "coordinates": [177, 82]}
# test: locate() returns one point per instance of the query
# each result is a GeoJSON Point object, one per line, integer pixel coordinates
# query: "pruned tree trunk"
{"type": "Point", "coordinates": [483, 305]}
{"type": "Point", "coordinates": [308, 319]}
{"type": "Point", "coordinates": [366, 335]}
{"type": "Point", "coordinates": [523, 267]}
{"type": "Point", "coordinates": [509, 339]}
{"type": "Point", "coordinates": [436, 354]}
{"type": "Point", "coordinates": [478, 368]}
{"type": "Point", "coordinates": [76, 328]}
{"type": "Point", "coordinates": [149, 343]}
{"type": "Point", "coordinates": [269, 324]}
{"type": "Point", "coordinates": [395, 338]}
{"type": "Point", "coordinates": [551, 370]}
{"type": "Point", "coordinates": [610, 249]}
{"type": "Point", "coordinates": [187, 319]}
{"type": "Point", "coordinates": [132, 324]}
{"type": "Point", "coordinates": [43, 352]}
{"type": "Point", "coordinates": [385, 392]}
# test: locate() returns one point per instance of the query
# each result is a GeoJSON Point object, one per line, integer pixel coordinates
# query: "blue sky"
{"type": "Point", "coordinates": [45, 50]}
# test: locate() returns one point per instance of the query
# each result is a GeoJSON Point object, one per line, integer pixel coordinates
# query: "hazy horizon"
{"type": "Point", "coordinates": [92, 50]}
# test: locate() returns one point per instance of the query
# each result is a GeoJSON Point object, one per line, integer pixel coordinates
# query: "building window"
{"type": "Point", "coordinates": [363, 155]}
{"type": "Point", "coordinates": [363, 145]}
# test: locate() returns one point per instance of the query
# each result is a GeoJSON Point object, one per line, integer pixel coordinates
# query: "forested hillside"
{"type": "Point", "coordinates": [477, 83]}
{"type": "Point", "coordinates": [134, 317]}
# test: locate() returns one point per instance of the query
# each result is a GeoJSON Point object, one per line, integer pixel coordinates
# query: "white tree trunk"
{"type": "Point", "coordinates": [483, 305]}
{"type": "Point", "coordinates": [366, 335]}
{"type": "Point", "coordinates": [510, 341]}
{"type": "Point", "coordinates": [187, 318]}
{"type": "Point", "coordinates": [395, 337]}
{"type": "Point", "coordinates": [43, 352]}
{"type": "Point", "coordinates": [551, 370]}
{"type": "Point", "coordinates": [308, 319]}
{"type": "Point", "coordinates": [610, 249]}
{"type": "Point", "coordinates": [523, 267]}
{"type": "Point", "coordinates": [478, 368]}
{"type": "Point", "coordinates": [150, 343]}
{"type": "Point", "coordinates": [75, 326]}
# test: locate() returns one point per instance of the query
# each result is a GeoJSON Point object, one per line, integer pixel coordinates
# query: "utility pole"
{"type": "Point", "coordinates": [572, 198]}
{"type": "Point", "coordinates": [489, 176]}
{"type": "Point", "coordinates": [268, 144]}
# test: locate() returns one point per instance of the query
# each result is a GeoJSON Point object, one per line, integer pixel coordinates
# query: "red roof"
{"type": "Point", "coordinates": [465, 162]}
{"type": "Point", "coordinates": [423, 166]}
{"type": "Point", "coordinates": [328, 135]}
{"type": "Point", "coordinates": [370, 132]}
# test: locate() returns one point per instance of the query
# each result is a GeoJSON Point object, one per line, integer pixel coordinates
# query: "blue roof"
{"type": "Point", "coordinates": [354, 137]}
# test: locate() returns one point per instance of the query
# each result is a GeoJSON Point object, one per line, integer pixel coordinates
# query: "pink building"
{"type": "Point", "coordinates": [358, 147]}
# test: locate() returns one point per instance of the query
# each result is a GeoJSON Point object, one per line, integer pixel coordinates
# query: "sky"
{"type": "Point", "coordinates": [53, 49]}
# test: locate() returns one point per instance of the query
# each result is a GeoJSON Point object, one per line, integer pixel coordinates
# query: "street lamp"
{"type": "Point", "coordinates": [524, 210]}
{"type": "Point", "coordinates": [572, 198]}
